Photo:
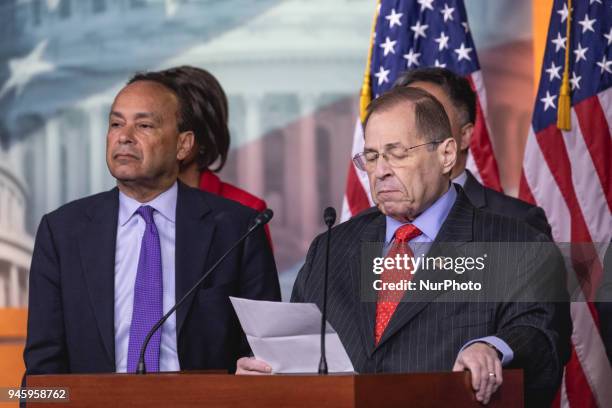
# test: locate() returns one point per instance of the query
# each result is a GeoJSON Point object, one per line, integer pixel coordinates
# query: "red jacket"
{"type": "Point", "coordinates": [211, 183]}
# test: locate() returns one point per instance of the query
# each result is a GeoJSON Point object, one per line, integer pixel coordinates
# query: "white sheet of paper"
{"type": "Point", "coordinates": [287, 336]}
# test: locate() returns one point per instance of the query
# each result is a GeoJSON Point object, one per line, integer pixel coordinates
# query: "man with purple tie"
{"type": "Point", "coordinates": [105, 268]}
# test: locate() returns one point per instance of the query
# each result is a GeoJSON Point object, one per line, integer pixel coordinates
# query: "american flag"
{"type": "Point", "coordinates": [409, 34]}
{"type": "Point", "coordinates": [568, 172]}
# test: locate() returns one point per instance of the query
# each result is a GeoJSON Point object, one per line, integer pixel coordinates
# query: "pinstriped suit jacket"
{"type": "Point", "coordinates": [426, 335]}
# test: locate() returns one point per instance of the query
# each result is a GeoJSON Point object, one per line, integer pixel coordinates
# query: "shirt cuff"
{"type": "Point", "coordinates": [499, 344]}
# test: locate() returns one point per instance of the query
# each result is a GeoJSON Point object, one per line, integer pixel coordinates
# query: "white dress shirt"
{"type": "Point", "coordinates": [130, 229]}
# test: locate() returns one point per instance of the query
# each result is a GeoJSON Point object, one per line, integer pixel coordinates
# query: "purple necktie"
{"type": "Point", "coordinates": [147, 297]}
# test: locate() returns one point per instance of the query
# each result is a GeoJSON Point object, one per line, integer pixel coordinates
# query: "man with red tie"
{"type": "Point", "coordinates": [408, 155]}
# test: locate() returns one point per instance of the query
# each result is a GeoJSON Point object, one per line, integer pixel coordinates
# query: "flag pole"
{"type": "Point", "coordinates": [366, 88]}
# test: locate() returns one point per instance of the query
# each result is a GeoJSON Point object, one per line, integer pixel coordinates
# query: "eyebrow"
{"type": "Point", "coordinates": [139, 115]}
{"type": "Point", "coordinates": [393, 145]}
{"type": "Point", "coordinates": [387, 146]}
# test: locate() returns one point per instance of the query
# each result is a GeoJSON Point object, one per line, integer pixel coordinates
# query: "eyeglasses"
{"type": "Point", "coordinates": [396, 156]}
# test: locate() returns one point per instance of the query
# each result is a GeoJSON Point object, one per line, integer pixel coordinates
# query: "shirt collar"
{"type": "Point", "coordinates": [429, 221]}
{"type": "Point", "coordinates": [165, 204]}
{"type": "Point", "coordinates": [461, 178]}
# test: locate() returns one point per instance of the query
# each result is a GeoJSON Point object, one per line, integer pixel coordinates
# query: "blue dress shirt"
{"type": "Point", "coordinates": [130, 229]}
{"type": "Point", "coordinates": [429, 223]}
{"type": "Point", "coordinates": [461, 178]}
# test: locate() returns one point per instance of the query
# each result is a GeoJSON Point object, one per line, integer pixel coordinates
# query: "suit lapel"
{"type": "Point", "coordinates": [97, 241]}
{"type": "Point", "coordinates": [455, 231]}
{"type": "Point", "coordinates": [194, 233]}
{"type": "Point", "coordinates": [371, 244]}
{"type": "Point", "coordinates": [474, 191]}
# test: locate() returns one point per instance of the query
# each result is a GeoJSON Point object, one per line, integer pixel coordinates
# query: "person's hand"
{"type": "Point", "coordinates": [252, 366]}
{"type": "Point", "coordinates": [482, 361]}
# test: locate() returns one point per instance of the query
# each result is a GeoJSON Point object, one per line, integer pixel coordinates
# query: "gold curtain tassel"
{"type": "Point", "coordinates": [564, 121]}
{"type": "Point", "coordinates": [565, 106]}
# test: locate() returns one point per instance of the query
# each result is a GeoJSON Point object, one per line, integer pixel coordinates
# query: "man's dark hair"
{"type": "Point", "coordinates": [430, 117]}
{"type": "Point", "coordinates": [456, 87]}
{"type": "Point", "coordinates": [203, 110]}
{"type": "Point", "coordinates": [184, 114]}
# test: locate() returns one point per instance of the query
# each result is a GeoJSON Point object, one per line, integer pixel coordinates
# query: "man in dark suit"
{"type": "Point", "coordinates": [459, 101]}
{"type": "Point", "coordinates": [604, 303]}
{"type": "Point", "coordinates": [409, 155]}
{"type": "Point", "coordinates": [106, 267]}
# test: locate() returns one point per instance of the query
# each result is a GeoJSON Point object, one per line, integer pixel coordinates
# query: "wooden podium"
{"type": "Point", "coordinates": [223, 390]}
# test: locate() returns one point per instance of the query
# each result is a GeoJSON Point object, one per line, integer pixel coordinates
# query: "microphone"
{"type": "Point", "coordinates": [329, 216]}
{"type": "Point", "coordinates": [262, 218]}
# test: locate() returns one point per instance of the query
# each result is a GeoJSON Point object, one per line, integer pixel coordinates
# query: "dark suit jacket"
{"type": "Point", "coordinates": [488, 199]}
{"type": "Point", "coordinates": [71, 301]}
{"type": "Point", "coordinates": [604, 303]}
{"type": "Point", "coordinates": [426, 334]}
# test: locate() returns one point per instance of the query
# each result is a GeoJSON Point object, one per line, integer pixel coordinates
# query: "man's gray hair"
{"type": "Point", "coordinates": [430, 117]}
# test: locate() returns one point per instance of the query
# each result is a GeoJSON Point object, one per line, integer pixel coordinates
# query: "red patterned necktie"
{"type": "Point", "coordinates": [388, 299]}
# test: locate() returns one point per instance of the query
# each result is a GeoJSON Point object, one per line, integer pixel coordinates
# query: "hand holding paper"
{"type": "Point", "coordinates": [287, 336]}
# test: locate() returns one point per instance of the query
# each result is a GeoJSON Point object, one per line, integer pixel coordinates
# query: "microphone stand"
{"type": "Point", "coordinates": [263, 218]}
{"type": "Point", "coordinates": [329, 217]}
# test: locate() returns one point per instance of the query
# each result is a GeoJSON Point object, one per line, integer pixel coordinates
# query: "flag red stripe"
{"type": "Point", "coordinates": [356, 197]}
{"type": "Point", "coordinates": [557, 401]}
{"type": "Point", "coordinates": [482, 149]}
{"type": "Point", "coordinates": [550, 140]}
{"type": "Point", "coordinates": [524, 190]}
{"type": "Point", "coordinates": [553, 149]}
{"type": "Point", "coordinates": [578, 389]}
{"type": "Point", "coordinates": [596, 136]}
